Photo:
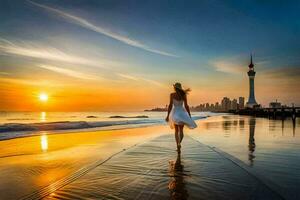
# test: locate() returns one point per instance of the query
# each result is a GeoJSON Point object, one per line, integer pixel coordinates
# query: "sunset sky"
{"type": "Point", "coordinates": [107, 55]}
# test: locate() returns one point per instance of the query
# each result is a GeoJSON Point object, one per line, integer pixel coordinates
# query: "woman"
{"type": "Point", "coordinates": [179, 113]}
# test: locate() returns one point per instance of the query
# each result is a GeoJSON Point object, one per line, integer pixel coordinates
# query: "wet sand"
{"type": "Point", "coordinates": [153, 170]}
{"type": "Point", "coordinates": [32, 163]}
{"type": "Point", "coordinates": [141, 163]}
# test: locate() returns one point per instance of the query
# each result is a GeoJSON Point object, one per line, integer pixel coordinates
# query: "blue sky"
{"type": "Point", "coordinates": [204, 44]}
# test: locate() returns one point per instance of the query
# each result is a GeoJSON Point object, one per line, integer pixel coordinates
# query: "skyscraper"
{"type": "Point", "coordinates": [234, 104]}
{"type": "Point", "coordinates": [251, 74]}
{"type": "Point", "coordinates": [241, 102]}
{"type": "Point", "coordinates": [225, 104]}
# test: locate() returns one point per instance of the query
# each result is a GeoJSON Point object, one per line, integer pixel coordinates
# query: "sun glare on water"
{"type": "Point", "coordinates": [44, 142]}
{"type": "Point", "coordinates": [43, 97]}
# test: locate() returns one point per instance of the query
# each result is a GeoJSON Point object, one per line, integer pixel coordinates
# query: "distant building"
{"type": "Point", "coordinates": [225, 104]}
{"type": "Point", "coordinates": [251, 74]}
{"type": "Point", "coordinates": [207, 106]}
{"type": "Point", "coordinates": [212, 107]}
{"type": "Point", "coordinates": [217, 106]}
{"type": "Point", "coordinates": [275, 104]}
{"type": "Point", "coordinates": [234, 104]}
{"type": "Point", "coordinates": [241, 102]}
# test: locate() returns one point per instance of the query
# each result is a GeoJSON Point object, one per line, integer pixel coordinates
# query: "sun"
{"type": "Point", "coordinates": [43, 97]}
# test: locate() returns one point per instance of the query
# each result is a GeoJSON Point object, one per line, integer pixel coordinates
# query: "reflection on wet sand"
{"type": "Point", "coordinates": [227, 125]}
{"type": "Point", "coordinates": [260, 144]}
{"type": "Point", "coordinates": [177, 186]}
{"type": "Point", "coordinates": [282, 126]}
{"type": "Point", "coordinates": [294, 127]}
{"type": "Point", "coordinates": [241, 123]}
{"type": "Point", "coordinates": [273, 125]}
{"type": "Point", "coordinates": [251, 145]}
{"type": "Point", "coordinates": [230, 123]}
{"type": "Point", "coordinates": [44, 142]}
{"type": "Point", "coordinates": [36, 162]}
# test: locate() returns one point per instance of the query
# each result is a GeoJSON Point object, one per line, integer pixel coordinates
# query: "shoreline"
{"type": "Point", "coordinates": [39, 161]}
{"type": "Point", "coordinates": [19, 130]}
{"type": "Point", "coordinates": [38, 133]}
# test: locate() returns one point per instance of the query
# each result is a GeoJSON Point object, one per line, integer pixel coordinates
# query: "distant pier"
{"type": "Point", "coordinates": [271, 113]}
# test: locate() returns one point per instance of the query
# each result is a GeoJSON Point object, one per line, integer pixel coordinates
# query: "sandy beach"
{"type": "Point", "coordinates": [153, 170]}
{"type": "Point", "coordinates": [32, 163]}
{"type": "Point", "coordinates": [142, 163]}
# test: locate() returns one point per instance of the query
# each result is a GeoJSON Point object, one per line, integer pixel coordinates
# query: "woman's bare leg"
{"type": "Point", "coordinates": [181, 133]}
{"type": "Point", "coordinates": [177, 137]}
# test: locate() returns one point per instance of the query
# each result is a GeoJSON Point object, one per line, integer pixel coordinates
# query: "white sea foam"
{"type": "Point", "coordinates": [14, 130]}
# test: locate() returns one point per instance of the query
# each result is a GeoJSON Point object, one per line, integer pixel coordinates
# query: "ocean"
{"type": "Point", "coordinates": [22, 124]}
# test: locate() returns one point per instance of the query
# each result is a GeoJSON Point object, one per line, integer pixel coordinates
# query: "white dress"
{"type": "Point", "coordinates": [179, 115]}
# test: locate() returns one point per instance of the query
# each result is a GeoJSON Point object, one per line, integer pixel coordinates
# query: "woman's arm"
{"type": "Point", "coordinates": [169, 107]}
{"type": "Point", "coordinates": [187, 106]}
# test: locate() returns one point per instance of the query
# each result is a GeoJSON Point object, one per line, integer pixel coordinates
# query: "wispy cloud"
{"type": "Point", "coordinates": [34, 82]}
{"type": "Point", "coordinates": [231, 65]}
{"type": "Point", "coordinates": [89, 25]}
{"type": "Point", "coordinates": [128, 77]}
{"type": "Point", "coordinates": [69, 72]}
{"type": "Point", "coordinates": [4, 73]}
{"type": "Point", "coordinates": [154, 82]}
{"type": "Point", "coordinates": [34, 50]}
{"type": "Point", "coordinates": [237, 64]}
{"type": "Point", "coordinates": [288, 73]}
{"type": "Point", "coordinates": [228, 67]}
{"type": "Point", "coordinates": [140, 78]}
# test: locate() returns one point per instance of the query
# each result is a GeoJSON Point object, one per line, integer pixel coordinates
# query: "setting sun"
{"type": "Point", "coordinates": [43, 97]}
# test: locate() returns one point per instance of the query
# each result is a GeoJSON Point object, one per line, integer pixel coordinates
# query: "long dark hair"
{"type": "Point", "coordinates": [182, 93]}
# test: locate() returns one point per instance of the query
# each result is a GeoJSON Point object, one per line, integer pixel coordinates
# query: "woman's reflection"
{"type": "Point", "coordinates": [177, 185]}
{"type": "Point", "coordinates": [251, 145]}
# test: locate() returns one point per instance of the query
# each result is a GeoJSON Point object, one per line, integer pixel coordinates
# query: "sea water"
{"type": "Point", "coordinates": [21, 124]}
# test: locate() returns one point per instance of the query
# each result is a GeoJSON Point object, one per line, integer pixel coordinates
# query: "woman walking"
{"type": "Point", "coordinates": [179, 113]}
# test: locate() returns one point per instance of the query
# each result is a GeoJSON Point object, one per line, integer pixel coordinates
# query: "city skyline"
{"type": "Point", "coordinates": [91, 55]}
